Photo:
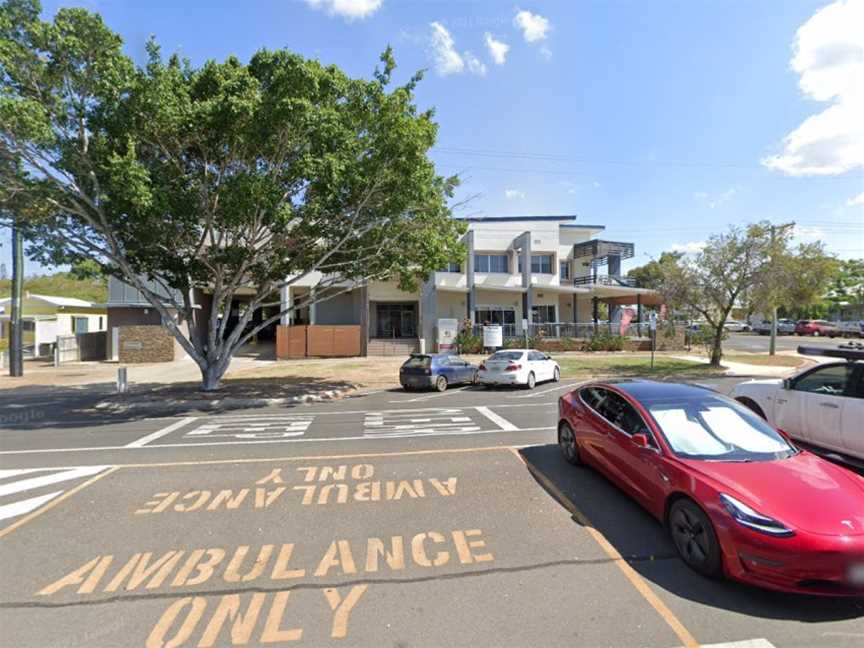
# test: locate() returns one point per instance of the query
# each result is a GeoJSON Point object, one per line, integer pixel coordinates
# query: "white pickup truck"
{"type": "Point", "coordinates": [821, 406]}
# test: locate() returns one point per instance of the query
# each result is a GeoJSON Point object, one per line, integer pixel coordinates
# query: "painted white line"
{"type": "Point", "coordinates": [449, 392]}
{"type": "Point", "coordinates": [158, 434]}
{"type": "Point", "coordinates": [534, 394]}
{"type": "Point", "coordinates": [225, 443]}
{"type": "Point", "coordinates": [498, 420]}
{"type": "Point", "coordinates": [747, 643]}
{"type": "Point", "coordinates": [37, 482]}
{"type": "Point", "coordinates": [5, 474]}
{"type": "Point", "coordinates": [25, 506]}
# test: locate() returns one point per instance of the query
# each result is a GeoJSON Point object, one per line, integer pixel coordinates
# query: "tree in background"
{"type": "Point", "coordinates": [792, 275]}
{"type": "Point", "coordinates": [221, 178]}
{"type": "Point", "coordinates": [651, 274]}
{"type": "Point", "coordinates": [756, 263]}
{"type": "Point", "coordinates": [846, 289]}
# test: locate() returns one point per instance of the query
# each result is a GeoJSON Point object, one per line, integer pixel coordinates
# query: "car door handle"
{"type": "Point", "coordinates": [782, 400]}
{"type": "Point", "coordinates": [831, 405]}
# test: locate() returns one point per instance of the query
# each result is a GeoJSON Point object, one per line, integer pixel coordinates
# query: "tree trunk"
{"type": "Point", "coordinates": [717, 348]}
{"type": "Point", "coordinates": [211, 376]}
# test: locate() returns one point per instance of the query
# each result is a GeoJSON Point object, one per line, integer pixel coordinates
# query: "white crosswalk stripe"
{"type": "Point", "coordinates": [395, 424]}
{"type": "Point", "coordinates": [36, 479]}
{"type": "Point", "coordinates": [277, 426]}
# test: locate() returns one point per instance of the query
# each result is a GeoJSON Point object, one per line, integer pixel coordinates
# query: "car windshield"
{"type": "Point", "coordinates": [418, 362]}
{"type": "Point", "coordinates": [506, 355]}
{"type": "Point", "coordinates": [716, 429]}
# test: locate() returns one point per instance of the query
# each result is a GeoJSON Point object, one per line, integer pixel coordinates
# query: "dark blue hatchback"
{"type": "Point", "coordinates": [427, 371]}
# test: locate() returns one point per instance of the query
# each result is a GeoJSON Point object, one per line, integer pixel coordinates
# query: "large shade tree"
{"type": "Point", "coordinates": [227, 177]}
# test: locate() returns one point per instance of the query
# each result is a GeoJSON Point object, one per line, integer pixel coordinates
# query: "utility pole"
{"type": "Point", "coordinates": [16, 364]}
{"type": "Point", "coordinates": [772, 345]}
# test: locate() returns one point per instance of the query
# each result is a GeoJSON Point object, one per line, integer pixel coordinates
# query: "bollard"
{"type": "Point", "coordinates": [56, 355]}
{"type": "Point", "coordinates": [122, 384]}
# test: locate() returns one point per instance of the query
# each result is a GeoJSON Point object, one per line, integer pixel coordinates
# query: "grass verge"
{"type": "Point", "coordinates": [624, 366]}
{"type": "Point", "coordinates": [764, 360]}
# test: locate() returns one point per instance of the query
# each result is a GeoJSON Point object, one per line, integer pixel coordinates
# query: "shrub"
{"type": "Point", "coordinates": [467, 342]}
{"type": "Point", "coordinates": [603, 341]}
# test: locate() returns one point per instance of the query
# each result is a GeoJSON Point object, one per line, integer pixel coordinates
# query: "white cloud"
{"type": "Point", "coordinates": [688, 248]}
{"type": "Point", "coordinates": [534, 26]}
{"type": "Point", "coordinates": [714, 201]}
{"type": "Point", "coordinates": [514, 194]}
{"type": "Point", "coordinates": [475, 65]}
{"type": "Point", "coordinates": [808, 234]}
{"type": "Point", "coordinates": [347, 9]}
{"type": "Point", "coordinates": [546, 53]}
{"type": "Point", "coordinates": [856, 200]}
{"type": "Point", "coordinates": [447, 59]}
{"type": "Point", "coordinates": [595, 184]}
{"type": "Point", "coordinates": [829, 58]}
{"type": "Point", "coordinates": [497, 49]}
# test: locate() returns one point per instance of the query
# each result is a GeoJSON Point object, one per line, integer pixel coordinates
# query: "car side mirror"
{"type": "Point", "coordinates": [787, 383]}
{"type": "Point", "coordinates": [641, 440]}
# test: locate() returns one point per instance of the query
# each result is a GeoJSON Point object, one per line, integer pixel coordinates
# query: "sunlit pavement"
{"type": "Point", "coordinates": [387, 518]}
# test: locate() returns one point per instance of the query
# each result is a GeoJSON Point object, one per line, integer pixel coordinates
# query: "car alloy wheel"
{"type": "Point", "coordinates": [567, 443]}
{"type": "Point", "coordinates": [441, 384]}
{"type": "Point", "coordinates": [694, 537]}
{"type": "Point", "coordinates": [531, 381]}
{"type": "Point", "coordinates": [556, 375]}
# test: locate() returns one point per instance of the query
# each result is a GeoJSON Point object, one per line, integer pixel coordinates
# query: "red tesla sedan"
{"type": "Point", "coordinates": [737, 497]}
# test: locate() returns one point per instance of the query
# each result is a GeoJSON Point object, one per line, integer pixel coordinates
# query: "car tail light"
{"type": "Point", "coordinates": [482, 366]}
{"type": "Point", "coordinates": [513, 367]}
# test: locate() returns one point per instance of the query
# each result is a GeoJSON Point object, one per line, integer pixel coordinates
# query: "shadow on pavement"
{"type": "Point", "coordinates": [643, 542]}
{"type": "Point", "coordinates": [40, 406]}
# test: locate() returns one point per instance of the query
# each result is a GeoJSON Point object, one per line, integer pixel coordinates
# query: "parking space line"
{"type": "Point", "coordinates": [687, 639]}
{"type": "Point", "coordinates": [54, 502]}
{"type": "Point", "coordinates": [498, 420]}
{"type": "Point", "coordinates": [158, 434]}
{"type": "Point", "coordinates": [534, 394]}
{"type": "Point", "coordinates": [746, 643]}
{"type": "Point", "coordinates": [431, 396]}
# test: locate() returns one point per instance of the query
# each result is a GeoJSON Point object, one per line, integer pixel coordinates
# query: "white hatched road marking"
{"type": "Point", "coordinates": [444, 421]}
{"type": "Point", "coordinates": [542, 392]}
{"type": "Point", "coordinates": [265, 426]}
{"type": "Point", "coordinates": [31, 483]}
{"type": "Point", "coordinates": [497, 419]}
{"type": "Point", "coordinates": [158, 434]}
{"type": "Point", "coordinates": [747, 643]}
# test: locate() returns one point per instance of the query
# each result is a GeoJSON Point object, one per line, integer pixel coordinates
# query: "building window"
{"type": "Point", "coordinates": [79, 324]}
{"type": "Point", "coordinates": [565, 269]}
{"type": "Point", "coordinates": [491, 263]}
{"type": "Point", "coordinates": [540, 264]}
{"type": "Point", "coordinates": [452, 267]}
{"type": "Point", "coordinates": [542, 314]}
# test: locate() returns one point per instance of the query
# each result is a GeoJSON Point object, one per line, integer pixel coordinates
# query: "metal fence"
{"type": "Point", "coordinates": [576, 330]}
{"type": "Point", "coordinates": [81, 347]}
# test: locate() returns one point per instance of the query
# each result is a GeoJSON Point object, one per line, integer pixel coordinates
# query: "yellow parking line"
{"type": "Point", "coordinates": [687, 639]}
{"type": "Point", "coordinates": [49, 505]}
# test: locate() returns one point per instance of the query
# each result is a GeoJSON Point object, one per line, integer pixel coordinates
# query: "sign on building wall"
{"type": "Point", "coordinates": [493, 337]}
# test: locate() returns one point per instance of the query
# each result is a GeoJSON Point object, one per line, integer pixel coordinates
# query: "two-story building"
{"type": "Point", "coordinates": [549, 270]}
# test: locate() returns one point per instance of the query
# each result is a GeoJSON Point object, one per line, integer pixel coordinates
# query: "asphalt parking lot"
{"type": "Point", "coordinates": [389, 518]}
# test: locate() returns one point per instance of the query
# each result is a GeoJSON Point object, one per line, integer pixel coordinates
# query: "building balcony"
{"type": "Point", "coordinates": [605, 280]}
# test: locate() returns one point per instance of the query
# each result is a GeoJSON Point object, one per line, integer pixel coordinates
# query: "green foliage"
{"type": "Point", "coordinates": [605, 341]}
{"type": "Point", "coordinates": [467, 342]}
{"type": "Point", "coordinates": [651, 274]}
{"type": "Point", "coordinates": [220, 176]}
{"type": "Point", "coordinates": [61, 284]}
{"type": "Point", "coordinates": [705, 339]}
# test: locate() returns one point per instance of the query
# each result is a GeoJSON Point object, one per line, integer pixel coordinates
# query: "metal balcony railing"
{"type": "Point", "coordinates": [605, 280]}
{"type": "Point", "coordinates": [557, 330]}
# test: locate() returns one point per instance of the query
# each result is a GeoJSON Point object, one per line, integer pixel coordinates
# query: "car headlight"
{"type": "Point", "coordinates": [751, 519]}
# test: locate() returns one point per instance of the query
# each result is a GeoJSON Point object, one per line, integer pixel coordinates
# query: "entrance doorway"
{"type": "Point", "coordinates": [396, 320]}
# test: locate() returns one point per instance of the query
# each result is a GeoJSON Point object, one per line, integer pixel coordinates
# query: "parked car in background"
{"type": "Point", "coordinates": [435, 371]}
{"type": "Point", "coordinates": [736, 326]}
{"type": "Point", "coordinates": [524, 367]}
{"type": "Point", "coordinates": [738, 499]}
{"type": "Point", "coordinates": [852, 329]}
{"type": "Point", "coordinates": [822, 406]}
{"type": "Point", "coordinates": [817, 328]}
{"type": "Point", "coordinates": [784, 327]}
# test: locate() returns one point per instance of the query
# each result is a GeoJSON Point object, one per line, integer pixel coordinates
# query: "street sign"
{"type": "Point", "coordinates": [652, 321]}
{"type": "Point", "coordinates": [493, 337]}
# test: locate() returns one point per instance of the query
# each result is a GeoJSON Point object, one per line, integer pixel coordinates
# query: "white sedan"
{"type": "Point", "coordinates": [822, 406]}
{"type": "Point", "coordinates": [524, 367]}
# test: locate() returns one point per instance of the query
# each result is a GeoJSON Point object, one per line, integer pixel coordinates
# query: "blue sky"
{"type": "Point", "coordinates": [663, 121]}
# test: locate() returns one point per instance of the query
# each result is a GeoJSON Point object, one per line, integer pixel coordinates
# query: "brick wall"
{"type": "Point", "coordinates": [145, 343]}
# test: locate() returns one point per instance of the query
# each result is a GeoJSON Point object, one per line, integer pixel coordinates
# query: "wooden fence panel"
{"type": "Point", "coordinates": [317, 341]}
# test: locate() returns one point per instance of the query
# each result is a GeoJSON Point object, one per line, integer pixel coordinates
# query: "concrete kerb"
{"type": "Point", "coordinates": [226, 403]}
